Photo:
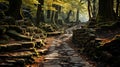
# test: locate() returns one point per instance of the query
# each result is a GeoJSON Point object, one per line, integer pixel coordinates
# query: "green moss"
{"type": "Point", "coordinates": [37, 54]}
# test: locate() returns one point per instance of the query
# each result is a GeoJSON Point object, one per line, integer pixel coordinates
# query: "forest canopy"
{"type": "Point", "coordinates": [65, 10]}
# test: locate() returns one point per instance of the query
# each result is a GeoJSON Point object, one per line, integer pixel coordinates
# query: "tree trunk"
{"type": "Point", "coordinates": [48, 14]}
{"type": "Point", "coordinates": [15, 9]}
{"type": "Point", "coordinates": [94, 9]}
{"type": "Point", "coordinates": [89, 10]}
{"type": "Point", "coordinates": [40, 13]}
{"type": "Point", "coordinates": [77, 16]}
{"type": "Point", "coordinates": [68, 16]}
{"type": "Point", "coordinates": [117, 7]}
{"type": "Point", "coordinates": [106, 12]}
{"type": "Point", "coordinates": [58, 8]}
{"type": "Point", "coordinates": [56, 17]}
{"type": "Point", "coordinates": [53, 17]}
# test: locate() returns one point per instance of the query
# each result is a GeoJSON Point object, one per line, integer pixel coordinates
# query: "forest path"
{"type": "Point", "coordinates": [60, 54]}
{"type": "Point", "coordinates": [69, 30]}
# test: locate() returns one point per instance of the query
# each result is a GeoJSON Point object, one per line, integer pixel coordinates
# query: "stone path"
{"type": "Point", "coordinates": [70, 30]}
{"type": "Point", "coordinates": [60, 54]}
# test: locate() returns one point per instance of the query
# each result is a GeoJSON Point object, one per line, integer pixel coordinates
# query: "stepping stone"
{"type": "Point", "coordinates": [51, 61]}
{"type": "Point", "coordinates": [79, 65]}
{"type": "Point", "coordinates": [52, 55]}
{"type": "Point", "coordinates": [66, 46]}
{"type": "Point", "coordinates": [52, 48]}
{"type": "Point", "coordinates": [75, 59]}
{"type": "Point", "coordinates": [51, 58]}
{"type": "Point", "coordinates": [70, 53]}
{"type": "Point", "coordinates": [85, 63]}
{"type": "Point", "coordinates": [64, 63]}
{"type": "Point", "coordinates": [51, 66]}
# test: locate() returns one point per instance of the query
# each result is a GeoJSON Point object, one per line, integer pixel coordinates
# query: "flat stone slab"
{"type": "Point", "coordinates": [52, 55]}
{"type": "Point", "coordinates": [75, 59]}
{"type": "Point", "coordinates": [52, 48]}
{"type": "Point", "coordinates": [51, 61]}
{"type": "Point", "coordinates": [70, 53]}
{"type": "Point", "coordinates": [51, 66]}
{"type": "Point", "coordinates": [51, 58]}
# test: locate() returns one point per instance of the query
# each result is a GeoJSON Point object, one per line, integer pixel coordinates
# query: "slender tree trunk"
{"type": "Point", "coordinates": [58, 8]}
{"type": "Point", "coordinates": [89, 10]}
{"type": "Point", "coordinates": [48, 14]}
{"type": "Point", "coordinates": [40, 13]}
{"type": "Point", "coordinates": [94, 9]}
{"type": "Point", "coordinates": [52, 16]}
{"type": "Point", "coordinates": [15, 9]}
{"type": "Point", "coordinates": [56, 17]}
{"type": "Point", "coordinates": [77, 16]}
{"type": "Point", "coordinates": [68, 16]}
{"type": "Point", "coordinates": [117, 7]}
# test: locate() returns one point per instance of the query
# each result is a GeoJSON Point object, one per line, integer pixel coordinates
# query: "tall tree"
{"type": "Point", "coordinates": [68, 16]}
{"type": "Point", "coordinates": [15, 9]}
{"type": "Point", "coordinates": [77, 16]}
{"type": "Point", "coordinates": [48, 13]}
{"type": "Point", "coordinates": [94, 9]}
{"type": "Point", "coordinates": [106, 12]}
{"type": "Point", "coordinates": [117, 7]}
{"type": "Point", "coordinates": [40, 12]}
{"type": "Point", "coordinates": [89, 10]}
{"type": "Point", "coordinates": [58, 8]}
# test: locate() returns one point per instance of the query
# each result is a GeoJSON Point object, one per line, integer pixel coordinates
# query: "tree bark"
{"type": "Point", "coordinates": [68, 16]}
{"type": "Point", "coordinates": [53, 17]}
{"type": "Point", "coordinates": [106, 12]}
{"type": "Point", "coordinates": [58, 8]}
{"type": "Point", "coordinates": [77, 16]}
{"type": "Point", "coordinates": [15, 9]}
{"type": "Point", "coordinates": [89, 10]}
{"type": "Point", "coordinates": [40, 13]}
{"type": "Point", "coordinates": [117, 7]}
{"type": "Point", "coordinates": [48, 14]}
{"type": "Point", "coordinates": [94, 9]}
